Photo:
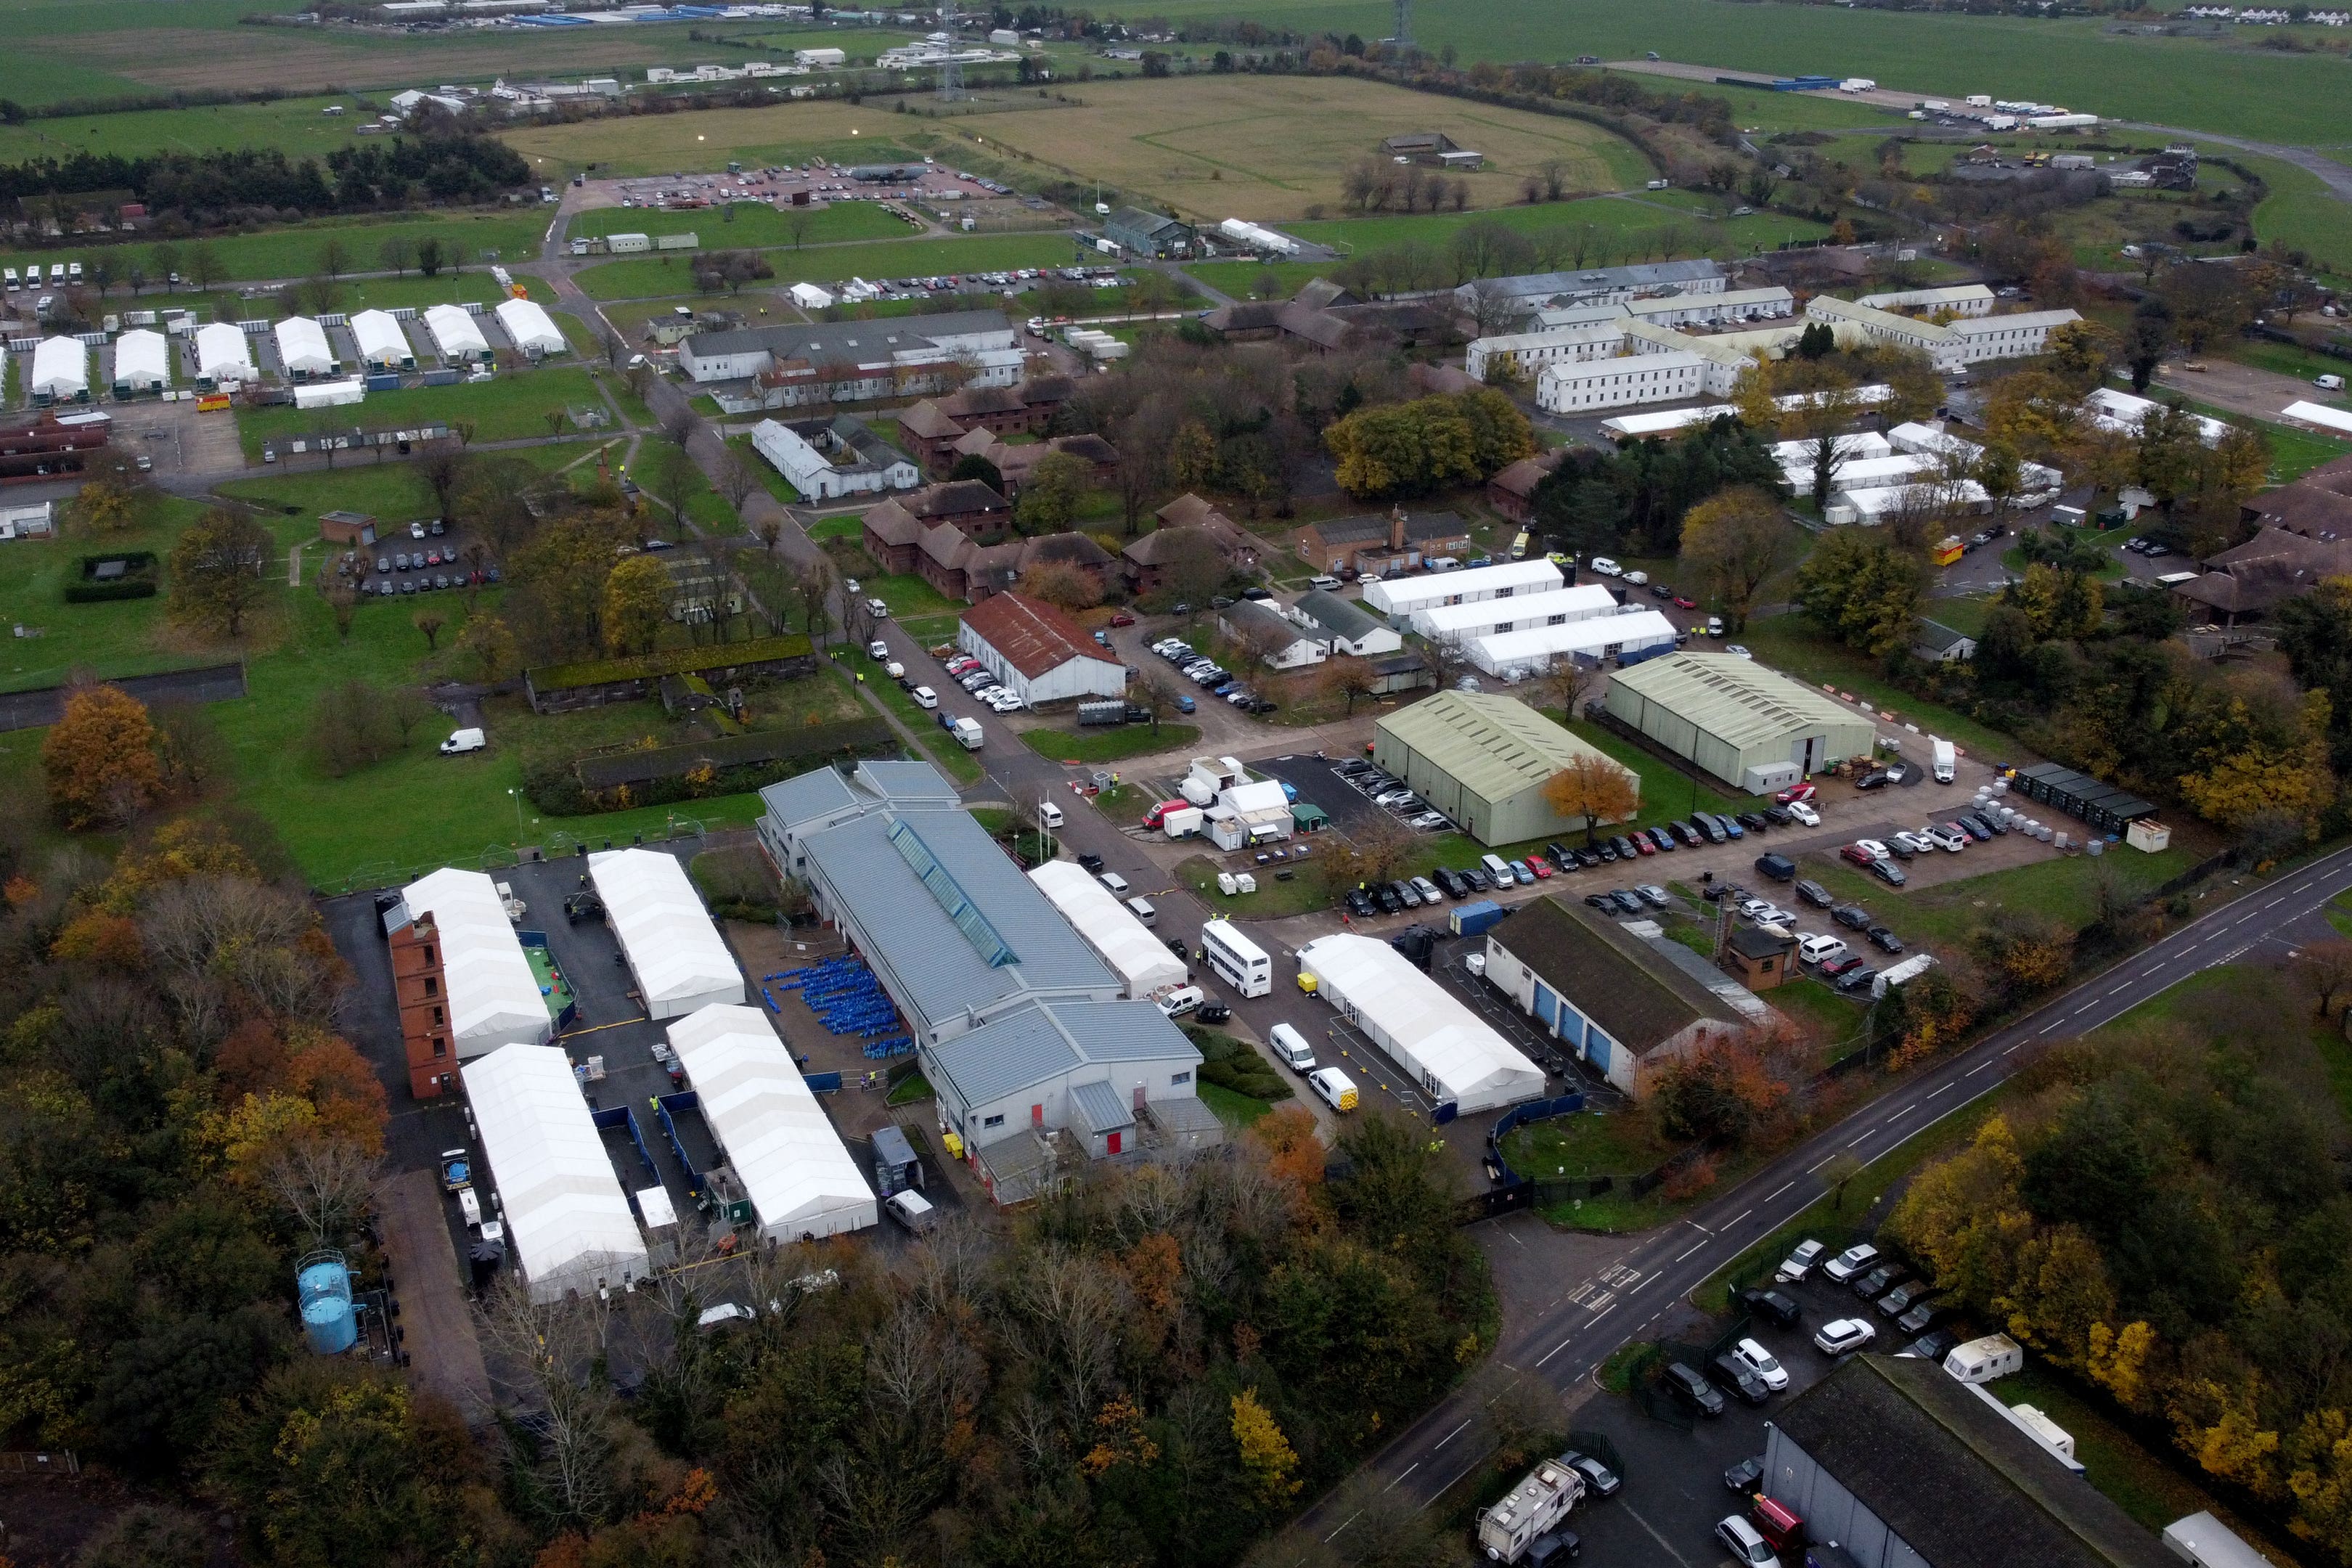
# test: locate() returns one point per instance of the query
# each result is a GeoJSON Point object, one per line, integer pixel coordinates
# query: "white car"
{"type": "Point", "coordinates": [1737, 651]}
{"type": "Point", "coordinates": [877, 648]}
{"type": "Point", "coordinates": [1118, 884]}
{"type": "Point", "coordinates": [1873, 849]}
{"type": "Point", "coordinates": [1945, 838]}
{"type": "Point", "coordinates": [1798, 812]}
{"type": "Point", "coordinates": [1744, 1543]}
{"type": "Point", "coordinates": [1800, 1262]}
{"type": "Point", "coordinates": [1754, 908]}
{"type": "Point", "coordinates": [1918, 843]}
{"type": "Point", "coordinates": [1605, 567]}
{"type": "Point", "coordinates": [1845, 1335]}
{"type": "Point", "coordinates": [1760, 1360]}
{"type": "Point", "coordinates": [1842, 1267]}
{"type": "Point", "coordinates": [1819, 948]}
{"type": "Point", "coordinates": [1714, 626]}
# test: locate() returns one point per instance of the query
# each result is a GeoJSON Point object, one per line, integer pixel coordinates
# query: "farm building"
{"type": "Point", "coordinates": [1122, 941]}
{"type": "Point", "coordinates": [464, 985]}
{"type": "Point", "coordinates": [1150, 233]}
{"type": "Point", "coordinates": [1038, 651]}
{"type": "Point", "coordinates": [1515, 655]}
{"type": "Point", "coordinates": [1483, 760]}
{"type": "Point", "coordinates": [1434, 149]}
{"type": "Point", "coordinates": [530, 328]}
{"type": "Point", "coordinates": [1939, 644]}
{"type": "Point", "coordinates": [1447, 1052]}
{"type": "Point", "coordinates": [455, 335]}
{"type": "Point", "coordinates": [383, 345]}
{"type": "Point", "coordinates": [569, 1225]}
{"type": "Point", "coordinates": [802, 1183]}
{"type": "Point", "coordinates": [302, 348]}
{"type": "Point", "coordinates": [1399, 598]}
{"type": "Point", "coordinates": [60, 371]}
{"type": "Point", "coordinates": [1753, 729]}
{"type": "Point", "coordinates": [1626, 1004]}
{"type": "Point", "coordinates": [1487, 617]}
{"type": "Point", "coordinates": [142, 362]}
{"type": "Point", "coordinates": [223, 356]}
{"type": "Point", "coordinates": [675, 954]}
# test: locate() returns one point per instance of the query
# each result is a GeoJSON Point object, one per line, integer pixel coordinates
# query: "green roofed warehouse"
{"type": "Point", "coordinates": [1754, 729]}
{"type": "Point", "coordinates": [1482, 760]}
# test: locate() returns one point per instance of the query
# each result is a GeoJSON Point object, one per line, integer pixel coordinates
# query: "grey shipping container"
{"type": "Point", "coordinates": [895, 1166]}
{"type": "Point", "coordinates": [386, 382]}
{"type": "Point", "coordinates": [1470, 919]}
{"type": "Point", "coordinates": [441, 378]}
{"type": "Point", "coordinates": [1110, 711]}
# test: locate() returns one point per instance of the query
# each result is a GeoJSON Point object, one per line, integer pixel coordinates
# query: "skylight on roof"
{"type": "Point", "coordinates": [992, 948]}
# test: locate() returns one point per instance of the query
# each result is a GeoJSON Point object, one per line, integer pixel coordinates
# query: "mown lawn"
{"type": "Point", "coordinates": [752, 224]}
{"type": "Point", "coordinates": [2064, 887]}
{"type": "Point", "coordinates": [510, 406]}
{"type": "Point", "coordinates": [1110, 743]}
{"type": "Point", "coordinates": [298, 250]}
{"type": "Point", "coordinates": [1795, 645]}
{"type": "Point", "coordinates": [1590, 1143]}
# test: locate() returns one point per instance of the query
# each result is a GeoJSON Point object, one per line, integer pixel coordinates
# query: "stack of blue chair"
{"type": "Point", "coordinates": [883, 1050]}
{"type": "Point", "coordinates": [845, 997]}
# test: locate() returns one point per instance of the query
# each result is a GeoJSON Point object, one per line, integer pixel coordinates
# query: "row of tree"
{"type": "Point", "coordinates": [399, 172]}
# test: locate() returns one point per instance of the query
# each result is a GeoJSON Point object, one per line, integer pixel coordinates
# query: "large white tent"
{"type": "Point", "coordinates": [1110, 928]}
{"type": "Point", "coordinates": [302, 348]}
{"type": "Point", "coordinates": [142, 362]}
{"type": "Point", "coordinates": [676, 954]}
{"type": "Point", "coordinates": [61, 371]}
{"type": "Point", "coordinates": [1485, 617]}
{"type": "Point", "coordinates": [223, 354]}
{"type": "Point", "coordinates": [383, 345]}
{"type": "Point", "coordinates": [568, 1222]}
{"type": "Point", "coordinates": [1452, 1055]}
{"type": "Point", "coordinates": [530, 328]}
{"type": "Point", "coordinates": [1399, 596]}
{"type": "Point", "coordinates": [1515, 655]}
{"type": "Point", "coordinates": [799, 1177]}
{"type": "Point", "coordinates": [494, 996]}
{"type": "Point", "coordinates": [454, 333]}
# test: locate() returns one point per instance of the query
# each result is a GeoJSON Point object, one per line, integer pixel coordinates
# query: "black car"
{"type": "Point", "coordinates": [1974, 828]}
{"type": "Point", "coordinates": [1925, 1315]}
{"type": "Point", "coordinates": [1554, 1546]}
{"type": "Point", "coordinates": [1884, 940]}
{"type": "Point", "coordinates": [1752, 821]}
{"type": "Point", "coordinates": [1779, 868]}
{"type": "Point", "coordinates": [1687, 834]}
{"type": "Point", "coordinates": [1629, 902]}
{"type": "Point", "coordinates": [1992, 819]}
{"type": "Point", "coordinates": [1662, 590]}
{"type": "Point", "coordinates": [1736, 1379]}
{"type": "Point", "coordinates": [1586, 858]}
{"type": "Point", "coordinates": [1693, 1390]}
{"type": "Point", "coordinates": [1455, 884]}
{"type": "Point", "coordinates": [1359, 904]}
{"type": "Point", "coordinates": [1856, 981]}
{"type": "Point", "coordinates": [1900, 847]}
{"type": "Point", "coordinates": [1853, 917]}
{"type": "Point", "coordinates": [1386, 897]}
{"type": "Point", "coordinates": [1888, 872]}
{"type": "Point", "coordinates": [1176, 945]}
{"type": "Point", "coordinates": [1624, 848]}
{"type": "Point", "coordinates": [1477, 876]}
{"type": "Point", "coordinates": [1903, 1298]}
{"type": "Point", "coordinates": [1876, 779]}
{"type": "Point", "coordinates": [1745, 1475]}
{"type": "Point", "coordinates": [1773, 1307]}
{"type": "Point", "coordinates": [1090, 862]}
{"type": "Point", "coordinates": [1407, 895]}
{"type": "Point", "coordinates": [1777, 815]}
{"type": "Point", "coordinates": [1606, 851]}
{"type": "Point", "coordinates": [1879, 1280]}
{"type": "Point", "coordinates": [1214, 1013]}
{"type": "Point", "coordinates": [1935, 1344]}
{"type": "Point", "coordinates": [1599, 900]}
{"type": "Point", "coordinates": [1562, 857]}
{"type": "Point", "coordinates": [1814, 894]}
{"type": "Point", "coordinates": [1706, 826]}
{"type": "Point", "coordinates": [1599, 1478]}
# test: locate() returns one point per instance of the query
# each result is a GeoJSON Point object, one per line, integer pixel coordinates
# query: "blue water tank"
{"type": "Point", "coordinates": [323, 1284]}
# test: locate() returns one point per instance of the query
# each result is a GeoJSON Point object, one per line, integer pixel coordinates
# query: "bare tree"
{"type": "Point", "coordinates": [557, 1349]}
{"type": "Point", "coordinates": [736, 479]}
{"type": "Point", "coordinates": [1348, 678]}
{"type": "Point", "coordinates": [1069, 1322]}
{"type": "Point", "coordinates": [2323, 972]}
{"type": "Point", "coordinates": [324, 1183]}
{"type": "Point", "coordinates": [679, 425]}
{"type": "Point", "coordinates": [398, 254]}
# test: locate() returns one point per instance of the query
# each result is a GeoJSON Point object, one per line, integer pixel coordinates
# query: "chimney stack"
{"type": "Point", "coordinates": [1396, 529]}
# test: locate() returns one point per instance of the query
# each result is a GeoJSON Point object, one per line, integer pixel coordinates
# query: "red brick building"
{"type": "Point", "coordinates": [422, 991]}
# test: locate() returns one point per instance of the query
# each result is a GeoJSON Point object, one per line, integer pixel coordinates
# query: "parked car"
{"type": "Point", "coordinates": [1652, 894]}
{"type": "Point", "coordinates": [1386, 897]}
{"type": "Point", "coordinates": [1744, 1476]}
{"type": "Point", "coordinates": [1884, 940]}
{"type": "Point", "coordinates": [1803, 816]}
{"type": "Point", "coordinates": [1407, 894]}
{"type": "Point", "coordinates": [1933, 1345]}
{"type": "Point", "coordinates": [1427, 890]}
{"type": "Point", "coordinates": [1801, 1262]}
{"type": "Point", "coordinates": [1760, 1362]}
{"type": "Point", "coordinates": [1843, 1336]}
{"type": "Point", "coordinates": [1773, 1307]}
{"type": "Point", "coordinates": [1855, 982]}
{"type": "Point", "coordinates": [1813, 893]}
{"type": "Point", "coordinates": [1796, 793]}
{"type": "Point", "coordinates": [1877, 1282]}
{"type": "Point", "coordinates": [1539, 865]}
{"type": "Point", "coordinates": [1746, 1545]}
{"type": "Point", "coordinates": [1888, 872]}
{"type": "Point", "coordinates": [1859, 1258]}
{"type": "Point", "coordinates": [1690, 1388]}
{"type": "Point", "coordinates": [1844, 963]}
{"type": "Point", "coordinates": [1728, 1373]}
{"type": "Point", "coordinates": [1599, 1478]}
{"type": "Point", "coordinates": [1853, 917]}
{"type": "Point", "coordinates": [1359, 903]}
{"type": "Point", "coordinates": [1904, 1297]}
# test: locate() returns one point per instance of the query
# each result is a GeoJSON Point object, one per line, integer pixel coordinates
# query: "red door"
{"type": "Point", "coordinates": [1114, 1142]}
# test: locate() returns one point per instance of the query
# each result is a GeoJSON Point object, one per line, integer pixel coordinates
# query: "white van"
{"type": "Point", "coordinates": [1183, 1000]}
{"type": "Point", "coordinates": [925, 697]}
{"type": "Point", "coordinates": [913, 1210]}
{"type": "Point", "coordinates": [464, 740]}
{"type": "Point", "coordinates": [12, 279]}
{"type": "Point", "coordinates": [2328, 383]}
{"type": "Point", "coordinates": [1337, 1089]}
{"type": "Point", "coordinates": [877, 609]}
{"type": "Point", "coordinates": [1498, 870]}
{"type": "Point", "coordinates": [1113, 880]}
{"type": "Point", "coordinates": [1292, 1047]}
{"type": "Point", "coordinates": [1819, 948]}
{"type": "Point", "coordinates": [1048, 815]}
{"type": "Point", "coordinates": [1141, 909]}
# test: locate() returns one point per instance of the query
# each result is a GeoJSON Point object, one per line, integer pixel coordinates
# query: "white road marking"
{"type": "Point", "coordinates": [1818, 1163]}
{"type": "Point", "coordinates": [1735, 1219]}
{"type": "Point", "coordinates": [1602, 1314]}
{"type": "Point", "coordinates": [1358, 1513]}
{"type": "Point", "coordinates": [1401, 1475]}
{"type": "Point", "coordinates": [1776, 1192]}
{"type": "Point", "coordinates": [1694, 1248]}
{"type": "Point", "coordinates": [1547, 1356]}
{"type": "Point", "coordinates": [2013, 1047]}
{"type": "Point", "coordinates": [1976, 1070]}
{"type": "Point", "coordinates": [1451, 1435]}
{"type": "Point", "coordinates": [1643, 1285]}
{"type": "Point", "coordinates": [1860, 1136]}
{"type": "Point", "coordinates": [1934, 1092]}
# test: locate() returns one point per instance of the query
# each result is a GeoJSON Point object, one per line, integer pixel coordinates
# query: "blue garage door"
{"type": "Point", "coordinates": [1546, 1004]}
{"type": "Point", "coordinates": [1572, 1026]}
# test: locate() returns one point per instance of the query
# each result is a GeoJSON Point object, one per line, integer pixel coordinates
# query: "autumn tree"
{"type": "Point", "coordinates": [2323, 972]}
{"type": "Point", "coordinates": [102, 506]}
{"type": "Point", "coordinates": [1594, 788]}
{"type": "Point", "coordinates": [99, 758]}
{"type": "Point", "coordinates": [1347, 678]}
{"type": "Point", "coordinates": [1049, 500]}
{"type": "Point", "coordinates": [342, 595]}
{"type": "Point", "coordinates": [353, 725]}
{"type": "Point", "coordinates": [429, 623]}
{"type": "Point", "coordinates": [1737, 538]}
{"type": "Point", "coordinates": [637, 601]}
{"type": "Point", "coordinates": [2025, 951]}
{"type": "Point", "coordinates": [1267, 1456]}
{"type": "Point", "coordinates": [219, 571]}
{"type": "Point", "coordinates": [1064, 584]}
{"type": "Point", "coordinates": [1865, 590]}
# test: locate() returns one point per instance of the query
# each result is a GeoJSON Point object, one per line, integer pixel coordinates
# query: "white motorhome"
{"type": "Point", "coordinates": [1982, 1361]}
{"type": "Point", "coordinates": [1534, 1508]}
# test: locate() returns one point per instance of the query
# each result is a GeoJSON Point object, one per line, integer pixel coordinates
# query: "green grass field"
{"type": "Point", "coordinates": [294, 126]}
{"type": "Point", "coordinates": [1638, 227]}
{"type": "Point", "coordinates": [296, 250]}
{"type": "Point", "coordinates": [1110, 743]}
{"type": "Point", "coordinates": [506, 407]}
{"type": "Point", "coordinates": [651, 277]}
{"type": "Point", "coordinates": [754, 224]}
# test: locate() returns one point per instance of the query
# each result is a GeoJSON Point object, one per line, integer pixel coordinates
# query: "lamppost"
{"type": "Point", "coordinates": [516, 796]}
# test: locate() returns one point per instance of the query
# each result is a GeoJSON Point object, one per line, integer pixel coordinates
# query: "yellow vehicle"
{"type": "Point", "coordinates": [1306, 982]}
{"type": "Point", "coordinates": [1519, 546]}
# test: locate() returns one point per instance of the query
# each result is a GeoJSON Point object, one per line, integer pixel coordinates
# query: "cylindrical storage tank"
{"type": "Point", "coordinates": [2097, 846]}
{"type": "Point", "coordinates": [323, 1285]}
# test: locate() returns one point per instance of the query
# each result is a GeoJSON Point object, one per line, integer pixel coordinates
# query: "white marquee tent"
{"type": "Point", "coordinates": [530, 328]}
{"type": "Point", "coordinates": [1515, 655]}
{"type": "Point", "coordinates": [1399, 596]}
{"type": "Point", "coordinates": [383, 345]}
{"type": "Point", "coordinates": [1110, 928]}
{"type": "Point", "coordinates": [454, 333]}
{"type": "Point", "coordinates": [802, 1180]}
{"type": "Point", "coordinates": [494, 997]}
{"type": "Point", "coordinates": [302, 347]}
{"type": "Point", "coordinates": [1485, 617]}
{"type": "Point", "coordinates": [1450, 1053]}
{"type": "Point", "coordinates": [61, 371]}
{"type": "Point", "coordinates": [142, 362]}
{"type": "Point", "coordinates": [223, 354]}
{"type": "Point", "coordinates": [568, 1223]}
{"type": "Point", "coordinates": [675, 952]}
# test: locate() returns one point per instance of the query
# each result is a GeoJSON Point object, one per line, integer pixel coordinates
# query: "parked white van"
{"type": "Point", "coordinates": [1292, 1047]}
{"type": "Point", "coordinates": [461, 742]}
{"type": "Point", "coordinates": [925, 697]}
{"type": "Point", "coordinates": [913, 1210]}
{"type": "Point", "coordinates": [1183, 1000]}
{"type": "Point", "coordinates": [1819, 948]}
{"type": "Point", "coordinates": [1048, 815]}
{"type": "Point", "coordinates": [1498, 870]}
{"type": "Point", "coordinates": [1140, 908]}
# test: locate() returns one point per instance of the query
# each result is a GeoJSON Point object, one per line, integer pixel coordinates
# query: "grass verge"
{"type": "Point", "coordinates": [1110, 743]}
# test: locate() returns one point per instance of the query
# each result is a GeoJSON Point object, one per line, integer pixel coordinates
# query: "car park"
{"type": "Point", "coordinates": [1774, 1307]}
{"type": "Point", "coordinates": [1859, 1258]}
{"type": "Point", "coordinates": [1800, 1263]}
{"type": "Point", "coordinates": [1762, 1363]}
{"type": "Point", "coordinates": [1888, 872]}
{"type": "Point", "coordinates": [1691, 1389]}
{"type": "Point", "coordinates": [1729, 1374]}
{"type": "Point", "coordinates": [1843, 1336]}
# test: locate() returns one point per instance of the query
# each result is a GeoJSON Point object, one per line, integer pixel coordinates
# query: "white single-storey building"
{"type": "Point", "coordinates": [1517, 656]}
{"type": "Point", "coordinates": [530, 328]}
{"type": "Point", "coordinates": [1399, 597]}
{"type": "Point", "coordinates": [1623, 382]}
{"type": "Point", "coordinates": [1038, 651]}
{"type": "Point", "coordinates": [142, 362]}
{"type": "Point", "coordinates": [569, 1225]}
{"type": "Point", "coordinates": [60, 371]}
{"type": "Point", "coordinates": [456, 334]}
{"type": "Point", "coordinates": [1451, 1055]}
{"type": "Point", "coordinates": [800, 1179]}
{"type": "Point", "coordinates": [1520, 612]}
{"type": "Point", "coordinates": [223, 355]}
{"type": "Point", "coordinates": [383, 345]}
{"type": "Point", "coordinates": [673, 951]}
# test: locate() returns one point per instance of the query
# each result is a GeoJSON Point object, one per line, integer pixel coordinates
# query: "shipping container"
{"type": "Point", "coordinates": [1474, 919]}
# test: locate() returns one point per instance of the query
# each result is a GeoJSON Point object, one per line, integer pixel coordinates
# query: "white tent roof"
{"type": "Point", "coordinates": [61, 367]}
{"type": "Point", "coordinates": [799, 1177]}
{"type": "Point", "coordinates": [673, 949]}
{"type": "Point", "coordinates": [567, 1219]}
{"type": "Point", "coordinates": [302, 346]}
{"type": "Point", "coordinates": [2316, 414]}
{"type": "Point", "coordinates": [454, 332]}
{"type": "Point", "coordinates": [1522, 653]}
{"type": "Point", "coordinates": [223, 354]}
{"type": "Point", "coordinates": [141, 358]}
{"type": "Point", "coordinates": [1437, 1039]}
{"type": "Point", "coordinates": [494, 997]}
{"type": "Point", "coordinates": [1854, 445]}
{"type": "Point", "coordinates": [529, 327]}
{"type": "Point", "coordinates": [1579, 603]}
{"type": "Point", "coordinates": [1140, 959]}
{"type": "Point", "coordinates": [380, 338]}
{"type": "Point", "coordinates": [1402, 595]}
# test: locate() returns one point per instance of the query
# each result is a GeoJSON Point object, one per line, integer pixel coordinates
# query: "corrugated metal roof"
{"type": "Point", "coordinates": [1034, 638]}
{"type": "Point", "coordinates": [1098, 1105]}
{"type": "Point", "coordinates": [808, 797]}
{"type": "Point", "coordinates": [1613, 978]}
{"type": "Point", "coordinates": [1494, 746]}
{"type": "Point", "coordinates": [1043, 1042]}
{"type": "Point", "coordinates": [1735, 699]}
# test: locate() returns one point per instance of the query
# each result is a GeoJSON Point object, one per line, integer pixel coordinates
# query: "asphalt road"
{"type": "Point", "coordinates": [1570, 1337]}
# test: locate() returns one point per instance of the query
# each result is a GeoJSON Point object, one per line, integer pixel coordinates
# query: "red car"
{"type": "Point", "coordinates": [1840, 964]}
{"type": "Point", "coordinates": [1796, 793]}
{"type": "Point", "coordinates": [1539, 865]}
{"type": "Point", "coordinates": [1122, 619]}
{"type": "Point", "coordinates": [1857, 854]}
{"type": "Point", "coordinates": [1642, 843]}
{"type": "Point", "coordinates": [1683, 603]}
